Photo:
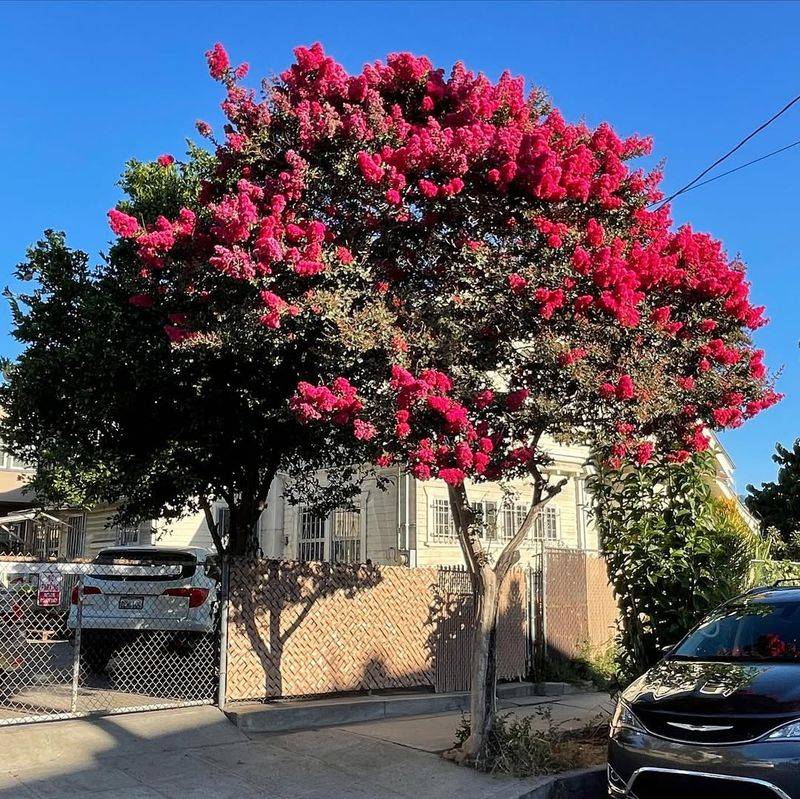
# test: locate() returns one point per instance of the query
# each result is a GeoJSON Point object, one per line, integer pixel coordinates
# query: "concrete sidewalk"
{"type": "Point", "coordinates": [195, 753]}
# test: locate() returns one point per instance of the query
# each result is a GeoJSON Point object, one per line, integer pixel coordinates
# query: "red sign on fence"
{"type": "Point", "coordinates": [49, 593]}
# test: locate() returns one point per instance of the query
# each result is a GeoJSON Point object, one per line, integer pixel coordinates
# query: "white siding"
{"type": "Point", "coordinates": [190, 531]}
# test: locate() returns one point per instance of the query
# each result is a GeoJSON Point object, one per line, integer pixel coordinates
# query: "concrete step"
{"type": "Point", "coordinates": [282, 716]}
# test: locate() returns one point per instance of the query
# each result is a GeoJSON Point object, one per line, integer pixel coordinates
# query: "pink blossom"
{"type": "Point", "coordinates": [625, 390]}
{"type": "Point", "coordinates": [166, 160]}
{"type": "Point", "coordinates": [428, 188]}
{"type": "Point", "coordinates": [218, 61]}
{"type": "Point", "coordinates": [515, 399]}
{"type": "Point", "coordinates": [644, 452]}
{"type": "Point", "coordinates": [452, 476]}
{"type": "Point", "coordinates": [483, 399]}
{"type": "Point", "coordinates": [517, 283]}
{"type": "Point", "coordinates": [307, 268]}
{"type": "Point", "coordinates": [122, 224]}
{"type": "Point", "coordinates": [365, 431]}
{"type": "Point", "coordinates": [141, 300]}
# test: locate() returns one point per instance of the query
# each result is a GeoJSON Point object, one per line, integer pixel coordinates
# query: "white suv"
{"type": "Point", "coordinates": [176, 593]}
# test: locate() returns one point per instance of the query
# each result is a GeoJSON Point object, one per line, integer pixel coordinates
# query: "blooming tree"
{"type": "Point", "coordinates": [449, 272]}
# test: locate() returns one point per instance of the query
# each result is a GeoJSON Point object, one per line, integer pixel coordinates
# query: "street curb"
{"type": "Point", "coordinates": [588, 783]}
{"type": "Point", "coordinates": [303, 715]}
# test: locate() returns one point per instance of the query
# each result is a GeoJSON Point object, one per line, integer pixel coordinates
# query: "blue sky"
{"type": "Point", "coordinates": [89, 85]}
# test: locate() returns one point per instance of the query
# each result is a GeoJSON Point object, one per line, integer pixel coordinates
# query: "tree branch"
{"type": "Point", "coordinates": [463, 517]}
{"type": "Point", "coordinates": [213, 527]}
{"type": "Point", "coordinates": [542, 494]}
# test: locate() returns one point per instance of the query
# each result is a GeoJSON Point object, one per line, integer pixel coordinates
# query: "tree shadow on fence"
{"type": "Point", "coordinates": [452, 624]}
{"type": "Point", "coordinates": [270, 601]}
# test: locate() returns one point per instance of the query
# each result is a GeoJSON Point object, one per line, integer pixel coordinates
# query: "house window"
{"type": "Point", "coordinates": [8, 461]}
{"type": "Point", "coordinates": [513, 517]}
{"type": "Point", "coordinates": [311, 545]}
{"type": "Point", "coordinates": [76, 535]}
{"type": "Point", "coordinates": [346, 536]}
{"type": "Point", "coordinates": [486, 519]}
{"type": "Point", "coordinates": [46, 538]}
{"type": "Point", "coordinates": [223, 520]}
{"type": "Point", "coordinates": [546, 526]}
{"type": "Point", "coordinates": [442, 529]}
{"type": "Point", "coordinates": [127, 534]}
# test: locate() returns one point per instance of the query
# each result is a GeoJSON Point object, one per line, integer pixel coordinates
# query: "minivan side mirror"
{"type": "Point", "coordinates": [667, 648]}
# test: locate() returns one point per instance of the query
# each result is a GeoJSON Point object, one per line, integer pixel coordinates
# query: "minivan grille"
{"type": "Point", "coordinates": [739, 728]}
{"type": "Point", "coordinates": [663, 785]}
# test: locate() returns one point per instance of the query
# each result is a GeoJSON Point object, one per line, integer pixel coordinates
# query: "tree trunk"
{"type": "Point", "coordinates": [483, 685]}
{"type": "Point", "coordinates": [487, 585]}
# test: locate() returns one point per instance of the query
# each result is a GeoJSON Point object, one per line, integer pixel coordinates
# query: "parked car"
{"type": "Point", "coordinates": [178, 595]}
{"type": "Point", "coordinates": [720, 714]}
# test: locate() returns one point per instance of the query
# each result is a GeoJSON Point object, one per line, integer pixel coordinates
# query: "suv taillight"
{"type": "Point", "coordinates": [196, 595]}
{"type": "Point", "coordinates": [13, 615]}
{"type": "Point", "coordinates": [87, 589]}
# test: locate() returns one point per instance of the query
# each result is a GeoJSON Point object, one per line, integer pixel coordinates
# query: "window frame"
{"type": "Point", "coordinates": [549, 518]}
{"type": "Point", "coordinates": [326, 539]}
{"type": "Point", "coordinates": [439, 509]}
{"type": "Point", "coordinates": [76, 535]}
{"type": "Point", "coordinates": [322, 539]}
{"type": "Point", "coordinates": [352, 542]}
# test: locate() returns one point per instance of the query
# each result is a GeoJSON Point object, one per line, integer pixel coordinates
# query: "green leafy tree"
{"type": "Point", "coordinates": [674, 551]}
{"type": "Point", "coordinates": [111, 410]}
{"type": "Point", "coordinates": [777, 504]}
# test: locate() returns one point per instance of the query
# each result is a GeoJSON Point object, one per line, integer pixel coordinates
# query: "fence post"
{"type": "Point", "coordinates": [76, 654]}
{"type": "Point", "coordinates": [543, 631]}
{"type": "Point", "coordinates": [223, 633]}
{"type": "Point", "coordinates": [531, 622]}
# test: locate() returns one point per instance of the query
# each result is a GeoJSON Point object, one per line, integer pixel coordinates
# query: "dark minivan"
{"type": "Point", "coordinates": [719, 716]}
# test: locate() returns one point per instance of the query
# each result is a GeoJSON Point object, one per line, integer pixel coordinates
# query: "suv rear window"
{"type": "Point", "coordinates": [125, 556]}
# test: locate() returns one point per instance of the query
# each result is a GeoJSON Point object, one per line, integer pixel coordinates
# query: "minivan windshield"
{"type": "Point", "coordinates": [761, 631]}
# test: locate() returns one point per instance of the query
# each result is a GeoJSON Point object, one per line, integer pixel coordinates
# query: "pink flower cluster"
{"type": "Point", "coordinates": [338, 404]}
{"type": "Point", "coordinates": [539, 220]}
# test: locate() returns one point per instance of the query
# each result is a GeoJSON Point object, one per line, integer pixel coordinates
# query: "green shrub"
{"type": "Point", "coordinates": [593, 664]}
{"type": "Point", "coordinates": [674, 551]}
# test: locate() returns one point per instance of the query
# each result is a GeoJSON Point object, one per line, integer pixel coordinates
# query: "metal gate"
{"type": "Point", "coordinates": [68, 648]}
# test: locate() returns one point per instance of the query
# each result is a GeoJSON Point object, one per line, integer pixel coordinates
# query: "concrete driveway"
{"type": "Point", "coordinates": [195, 753]}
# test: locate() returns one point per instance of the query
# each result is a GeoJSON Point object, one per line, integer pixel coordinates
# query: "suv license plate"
{"type": "Point", "coordinates": [131, 602]}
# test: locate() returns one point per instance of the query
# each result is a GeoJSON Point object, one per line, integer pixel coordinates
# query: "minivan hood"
{"type": "Point", "coordinates": [700, 687]}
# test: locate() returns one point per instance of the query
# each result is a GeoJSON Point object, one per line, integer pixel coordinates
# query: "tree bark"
{"type": "Point", "coordinates": [483, 683]}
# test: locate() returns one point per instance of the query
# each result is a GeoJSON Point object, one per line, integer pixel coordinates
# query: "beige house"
{"type": "Point", "coordinates": [408, 522]}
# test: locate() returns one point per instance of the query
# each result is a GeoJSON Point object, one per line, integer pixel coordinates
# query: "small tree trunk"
{"type": "Point", "coordinates": [487, 583]}
{"type": "Point", "coordinates": [483, 702]}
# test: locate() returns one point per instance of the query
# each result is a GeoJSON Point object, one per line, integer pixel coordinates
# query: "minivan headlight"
{"type": "Point", "coordinates": [624, 718]}
{"type": "Point", "coordinates": [789, 732]}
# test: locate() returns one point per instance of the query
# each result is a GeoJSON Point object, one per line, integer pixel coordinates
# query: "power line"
{"type": "Point", "coordinates": [730, 152]}
{"type": "Point", "coordinates": [742, 166]}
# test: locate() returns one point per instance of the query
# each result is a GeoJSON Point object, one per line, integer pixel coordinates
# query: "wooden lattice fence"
{"type": "Point", "coordinates": [579, 610]}
{"type": "Point", "coordinates": [303, 629]}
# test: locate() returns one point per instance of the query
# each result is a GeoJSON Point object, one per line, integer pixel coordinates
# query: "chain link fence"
{"type": "Point", "coordinates": [84, 638]}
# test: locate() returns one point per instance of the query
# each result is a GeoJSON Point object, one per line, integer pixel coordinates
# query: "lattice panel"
{"type": "Point", "coordinates": [301, 629]}
{"type": "Point", "coordinates": [579, 604]}
{"type": "Point", "coordinates": [601, 603]}
{"type": "Point", "coordinates": [298, 629]}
